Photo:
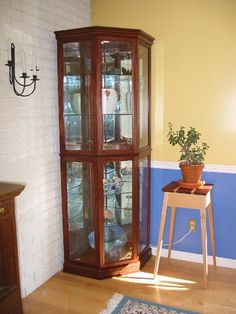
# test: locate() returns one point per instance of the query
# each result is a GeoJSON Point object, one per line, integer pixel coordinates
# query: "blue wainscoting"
{"type": "Point", "coordinates": [224, 211]}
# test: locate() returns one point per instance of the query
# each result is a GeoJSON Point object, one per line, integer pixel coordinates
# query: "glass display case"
{"type": "Point", "coordinates": [104, 109]}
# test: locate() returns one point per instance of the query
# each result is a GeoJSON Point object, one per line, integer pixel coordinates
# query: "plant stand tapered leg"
{"type": "Point", "coordinates": [161, 233]}
{"type": "Point", "coordinates": [212, 234]}
{"type": "Point", "coordinates": [204, 244]}
{"type": "Point", "coordinates": [172, 224]}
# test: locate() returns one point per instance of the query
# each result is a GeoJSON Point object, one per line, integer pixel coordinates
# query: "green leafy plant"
{"type": "Point", "coordinates": [191, 153]}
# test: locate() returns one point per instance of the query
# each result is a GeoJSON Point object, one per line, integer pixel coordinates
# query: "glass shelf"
{"type": "Point", "coordinates": [107, 193]}
{"type": "Point", "coordinates": [104, 114]}
{"type": "Point", "coordinates": [76, 114]}
{"type": "Point", "coordinates": [117, 114]}
{"type": "Point", "coordinates": [76, 75]}
{"type": "Point", "coordinates": [118, 75]}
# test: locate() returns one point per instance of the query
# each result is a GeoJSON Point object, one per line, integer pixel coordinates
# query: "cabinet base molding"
{"type": "Point", "coordinates": [11, 303]}
{"type": "Point", "coordinates": [125, 268]}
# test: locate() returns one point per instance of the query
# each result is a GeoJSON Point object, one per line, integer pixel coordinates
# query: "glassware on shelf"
{"type": "Point", "coordinates": [76, 102]}
{"type": "Point", "coordinates": [126, 64]}
{"type": "Point", "coordinates": [72, 85]}
{"type": "Point", "coordinates": [126, 170]}
{"type": "Point", "coordinates": [109, 100]}
{"type": "Point", "coordinates": [114, 239]}
{"type": "Point", "coordinates": [113, 184]}
{"type": "Point", "coordinates": [129, 101]}
{"type": "Point", "coordinates": [128, 209]}
{"type": "Point", "coordinates": [114, 235]}
{"type": "Point", "coordinates": [126, 109]}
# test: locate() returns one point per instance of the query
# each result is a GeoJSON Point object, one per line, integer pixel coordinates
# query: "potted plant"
{"type": "Point", "coordinates": [192, 155]}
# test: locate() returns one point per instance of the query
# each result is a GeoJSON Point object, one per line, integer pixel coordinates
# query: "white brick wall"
{"type": "Point", "coordinates": [29, 145]}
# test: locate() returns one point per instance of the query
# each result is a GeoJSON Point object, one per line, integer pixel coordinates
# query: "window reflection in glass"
{"type": "Point", "coordinates": [80, 210]}
{"type": "Point", "coordinates": [143, 171]}
{"type": "Point", "coordinates": [77, 104]}
{"type": "Point", "coordinates": [143, 95]}
{"type": "Point", "coordinates": [117, 95]}
{"type": "Point", "coordinates": [118, 209]}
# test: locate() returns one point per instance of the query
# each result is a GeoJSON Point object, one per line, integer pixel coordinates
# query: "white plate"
{"type": "Point", "coordinates": [109, 100]}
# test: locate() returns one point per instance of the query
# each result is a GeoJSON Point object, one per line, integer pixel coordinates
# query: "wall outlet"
{"type": "Point", "coordinates": [192, 225]}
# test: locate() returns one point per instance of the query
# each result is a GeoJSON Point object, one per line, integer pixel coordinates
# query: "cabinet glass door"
{"type": "Point", "coordinates": [80, 211]}
{"type": "Point", "coordinates": [143, 96]}
{"type": "Point", "coordinates": [118, 210]}
{"type": "Point", "coordinates": [117, 95]}
{"type": "Point", "coordinates": [77, 100]}
{"type": "Point", "coordinates": [143, 173]}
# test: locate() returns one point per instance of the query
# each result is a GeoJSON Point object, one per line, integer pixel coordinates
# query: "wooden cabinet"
{"type": "Point", "coordinates": [10, 296]}
{"type": "Point", "coordinates": [104, 111]}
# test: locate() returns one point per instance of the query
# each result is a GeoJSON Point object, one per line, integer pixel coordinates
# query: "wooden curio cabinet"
{"type": "Point", "coordinates": [104, 110]}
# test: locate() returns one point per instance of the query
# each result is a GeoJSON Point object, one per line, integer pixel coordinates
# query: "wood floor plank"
{"type": "Point", "coordinates": [179, 284]}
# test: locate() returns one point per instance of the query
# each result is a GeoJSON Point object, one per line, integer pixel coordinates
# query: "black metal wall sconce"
{"type": "Point", "coordinates": [24, 85]}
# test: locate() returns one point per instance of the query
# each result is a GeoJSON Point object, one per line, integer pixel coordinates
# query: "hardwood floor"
{"type": "Point", "coordinates": [179, 284]}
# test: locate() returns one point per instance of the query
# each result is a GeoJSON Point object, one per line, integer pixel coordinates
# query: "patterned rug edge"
{"type": "Point", "coordinates": [112, 303]}
{"type": "Point", "coordinates": [118, 300]}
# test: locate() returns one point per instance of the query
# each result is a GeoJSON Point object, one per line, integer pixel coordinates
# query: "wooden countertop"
{"type": "Point", "coordinates": [10, 189]}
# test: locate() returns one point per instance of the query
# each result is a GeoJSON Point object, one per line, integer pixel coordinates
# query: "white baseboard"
{"type": "Point", "coordinates": [208, 167]}
{"type": "Point", "coordinates": [197, 258]}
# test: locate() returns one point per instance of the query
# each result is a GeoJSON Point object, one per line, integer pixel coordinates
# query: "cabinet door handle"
{"type": "Point", "coordinates": [2, 210]}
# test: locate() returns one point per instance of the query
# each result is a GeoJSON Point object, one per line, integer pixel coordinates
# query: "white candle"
{"type": "Point", "coordinates": [34, 62]}
{"type": "Point", "coordinates": [23, 62]}
{"type": "Point", "coordinates": [9, 49]}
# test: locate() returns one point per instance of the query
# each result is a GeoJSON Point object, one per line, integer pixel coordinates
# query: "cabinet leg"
{"type": "Point", "coordinates": [172, 224]}
{"type": "Point", "coordinates": [161, 233]}
{"type": "Point", "coordinates": [204, 244]}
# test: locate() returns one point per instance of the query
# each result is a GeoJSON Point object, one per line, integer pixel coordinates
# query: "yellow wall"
{"type": "Point", "coordinates": [193, 67]}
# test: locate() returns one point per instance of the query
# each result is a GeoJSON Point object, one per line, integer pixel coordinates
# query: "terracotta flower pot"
{"type": "Point", "coordinates": [191, 175]}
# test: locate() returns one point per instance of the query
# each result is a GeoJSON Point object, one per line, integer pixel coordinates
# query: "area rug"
{"type": "Point", "coordinates": [120, 304]}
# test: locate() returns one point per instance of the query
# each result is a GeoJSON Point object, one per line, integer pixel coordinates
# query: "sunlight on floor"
{"type": "Point", "coordinates": [161, 282]}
